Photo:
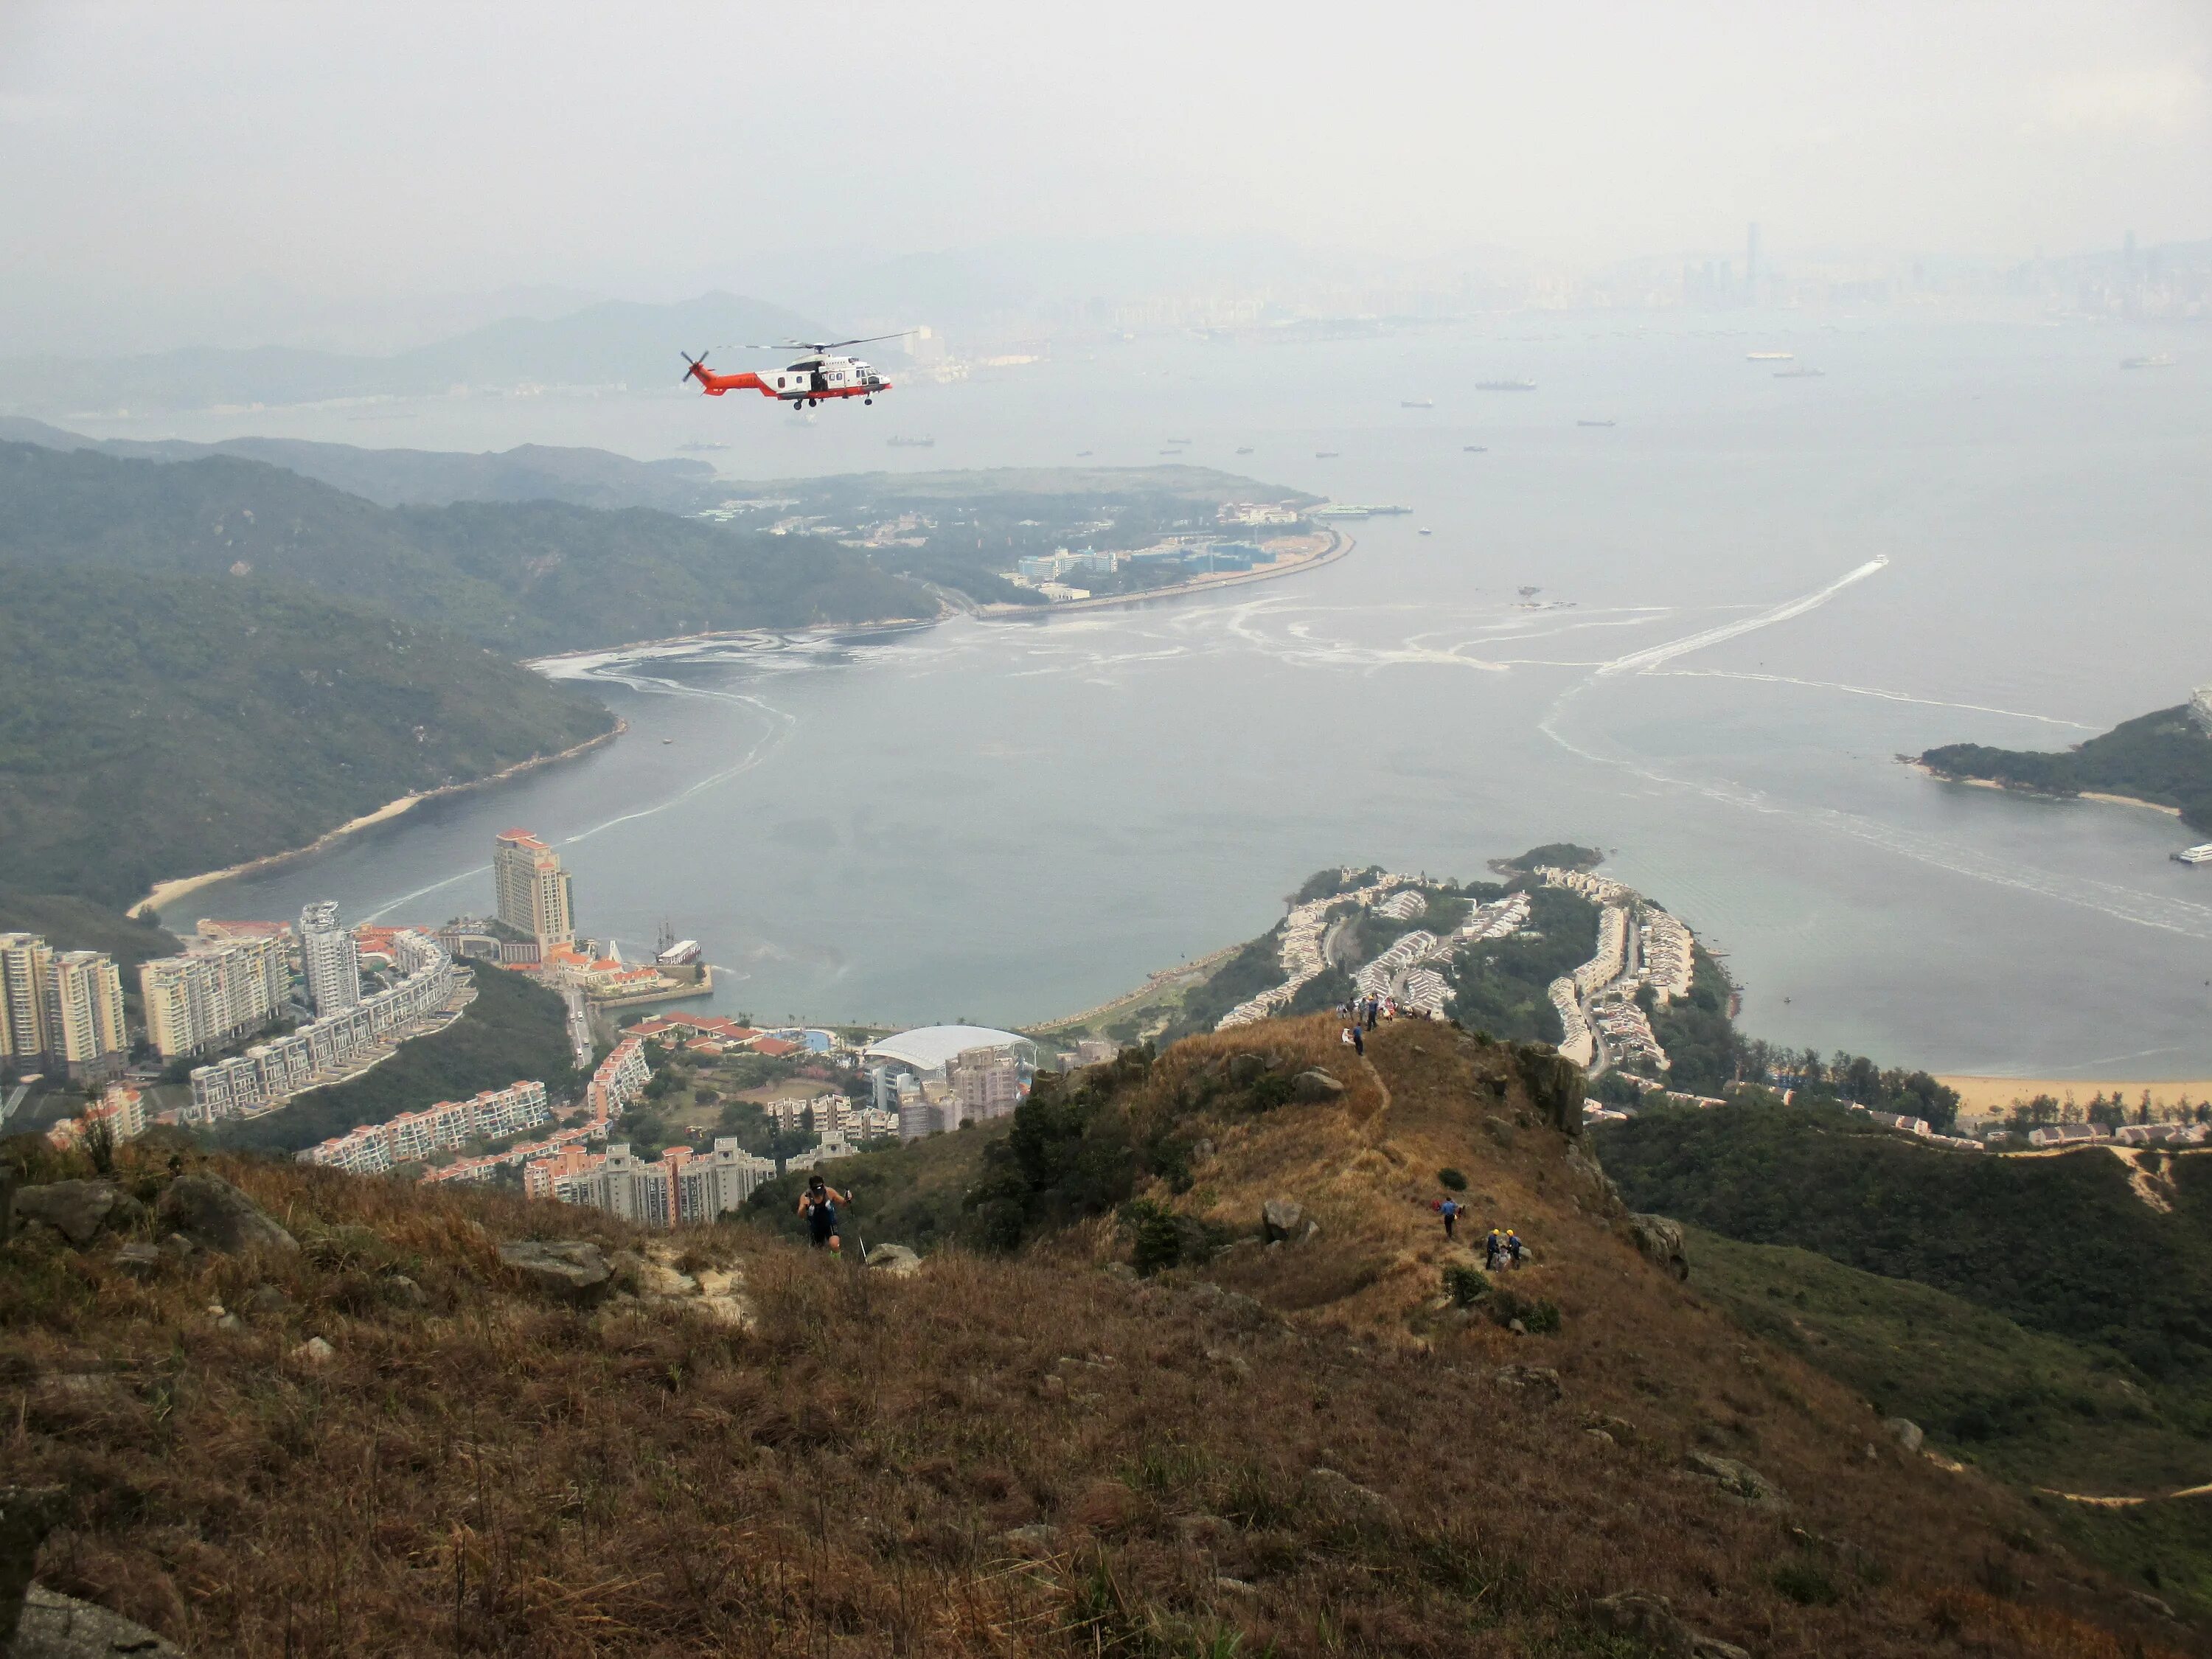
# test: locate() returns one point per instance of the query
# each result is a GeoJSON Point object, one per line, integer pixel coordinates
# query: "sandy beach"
{"type": "Point", "coordinates": [167, 892]}
{"type": "Point", "coordinates": [1988, 1097]}
{"type": "Point", "coordinates": [1927, 771]}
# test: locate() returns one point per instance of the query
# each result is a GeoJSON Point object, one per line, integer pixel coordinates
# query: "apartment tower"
{"type": "Point", "coordinates": [330, 959]}
{"type": "Point", "coordinates": [531, 890]}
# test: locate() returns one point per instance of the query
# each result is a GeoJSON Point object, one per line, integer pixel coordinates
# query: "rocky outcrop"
{"type": "Point", "coordinates": [1279, 1219]}
{"type": "Point", "coordinates": [1651, 1622]}
{"type": "Point", "coordinates": [1341, 1495]}
{"type": "Point", "coordinates": [1737, 1480]}
{"type": "Point", "coordinates": [572, 1270]}
{"type": "Point", "coordinates": [27, 1514]}
{"type": "Point", "coordinates": [1540, 1383]}
{"type": "Point", "coordinates": [1905, 1432]}
{"type": "Point", "coordinates": [210, 1213]}
{"type": "Point", "coordinates": [1315, 1086]}
{"type": "Point", "coordinates": [1659, 1242]}
{"type": "Point", "coordinates": [1554, 1083]}
{"type": "Point", "coordinates": [78, 1210]}
{"type": "Point", "coordinates": [62, 1628]}
{"type": "Point", "coordinates": [895, 1260]}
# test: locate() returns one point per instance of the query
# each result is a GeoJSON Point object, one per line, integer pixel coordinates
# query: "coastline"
{"type": "Point", "coordinates": [168, 892]}
{"type": "Point", "coordinates": [1158, 981]}
{"type": "Point", "coordinates": [1928, 771]}
{"type": "Point", "coordinates": [1980, 1095]}
{"type": "Point", "coordinates": [1340, 545]}
{"type": "Point", "coordinates": [715, 636]}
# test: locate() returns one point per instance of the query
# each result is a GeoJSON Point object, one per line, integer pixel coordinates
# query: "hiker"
{"type": "Point", "coordinates": [1344, 1035]}
{"type": "Point", "coordinates": [1513, 1246]}
{"type": "Point", "coordinates": [1493, 1248]}
{"type": "Point", "coordinates": [1449, 1211]}
{"type": "Point", "coordinates": [818, 1204]}
{"type": "Point", "coordinates": [1374, 1011]}
{"type": "Point", "coordinates": [1359, 1043]}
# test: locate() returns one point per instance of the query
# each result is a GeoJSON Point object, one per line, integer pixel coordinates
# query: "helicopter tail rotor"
{"type": "Point", "coordinates": [696, 367]}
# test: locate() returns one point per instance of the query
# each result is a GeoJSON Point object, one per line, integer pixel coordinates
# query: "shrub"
{"type": "Point", "coordinates": [1466, 1286]}
{"type": "Point", "coordinates": [1538, 1318]}
{"type": "Point", "coordinates": [1453, 1179]}
{"type": "Point", "coordinates": [1806, 1584]}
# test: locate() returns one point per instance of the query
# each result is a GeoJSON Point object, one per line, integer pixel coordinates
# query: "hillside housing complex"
{"type": "Point", "coordinates": [60, 1009]}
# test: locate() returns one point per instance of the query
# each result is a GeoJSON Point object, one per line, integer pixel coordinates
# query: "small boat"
{"type": "Point", "coordinates": [1416, 402]}
{"type": "Point", "coordinates": [1802, 372]}
{"type": "Point", "coordinates": [1174, 440]}
{"type": "Point", "coordinates": [1080, 454]}
{"type": "Point", "coordinates": [1505, 385]}
{"type": "Point", "coordinates": [1170, 451]}
{"type": "Point", "coordinates": [2163, 360]}
{"type": "Point", "coordinates": [1477, 449]}
{"type": "Point", "coordinates": [1593, 423]}
{"type": "Point", "coordinates": [1425, 530]}
{"type": "Point", "coordinates": [1768, 356]}
{"type": "Point", "coordinates": [1325, 454]}
{"type": "Point", "coordinates": [1244, 451]}
{"type": "Point", "coordinates": [911, 443]}
{"type": "Point", "coordinates": [668, 740]}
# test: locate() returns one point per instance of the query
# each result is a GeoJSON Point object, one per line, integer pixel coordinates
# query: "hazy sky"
{"type": "Point", "coordinates": [155, 156]}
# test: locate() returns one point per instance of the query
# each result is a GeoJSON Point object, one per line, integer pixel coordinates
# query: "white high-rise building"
{"type": "Point", "coordinates": [85, 1033]}
{"type": "Point", "coordinates": [214, 996]}
{"type": "Point", "coordinates": [330, 958]}
{"type": "Point", "coordinates": [27, 971]}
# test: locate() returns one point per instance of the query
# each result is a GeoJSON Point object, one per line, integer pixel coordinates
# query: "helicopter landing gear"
{"type": "Point", "coordinates": [867, 400]}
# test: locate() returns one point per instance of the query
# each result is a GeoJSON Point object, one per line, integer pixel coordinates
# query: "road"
{"type": "Point", "coordinates": [579, 1029]}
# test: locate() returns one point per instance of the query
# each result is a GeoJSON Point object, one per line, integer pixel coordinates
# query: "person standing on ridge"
{"type": "Point", "coordinates": [1513, 1247]}
{"type": "Point", "coordinates": [1493, 1249]}
{"type": "Point", "coordinates": [1359, 1043]}
{"type": "Point", "coordinates": [1449, 1211]}
{"type": "Point", "coordinates": [818, 1205]}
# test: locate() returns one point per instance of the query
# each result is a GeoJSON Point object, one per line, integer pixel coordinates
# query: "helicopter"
{"type": "Point", "coordinates": [805, 383]}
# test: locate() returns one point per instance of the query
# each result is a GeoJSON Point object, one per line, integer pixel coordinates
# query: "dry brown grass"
{"type": "Point", "coordinates": [489, 1475]}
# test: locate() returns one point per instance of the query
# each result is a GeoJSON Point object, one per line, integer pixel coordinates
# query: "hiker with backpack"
{"type": "Point", "coordinates": [819, 1205]}
{"type": "Point", "coordinates": [1450, 1210]}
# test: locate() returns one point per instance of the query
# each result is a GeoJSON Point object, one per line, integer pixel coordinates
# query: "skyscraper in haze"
{"type": "Point", "coordinates": [330, 959]}
{"type": "Point", "coordinates": [530, 889]}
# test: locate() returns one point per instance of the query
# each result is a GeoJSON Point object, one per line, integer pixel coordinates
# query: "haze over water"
{"type": "Point", "coordinates": [1985, 532]}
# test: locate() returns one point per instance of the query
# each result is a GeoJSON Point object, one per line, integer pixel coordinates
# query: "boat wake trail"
{"type": "Point", "coordinates": [1637, 662]}
{"type": "Point", "coordinates": [1867, 692]}
{"type": "Point", "coordinates": [777, 727]}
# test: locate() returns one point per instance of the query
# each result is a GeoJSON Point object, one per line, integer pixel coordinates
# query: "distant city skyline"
{"type": "Point", "coordinates": [390, 169]}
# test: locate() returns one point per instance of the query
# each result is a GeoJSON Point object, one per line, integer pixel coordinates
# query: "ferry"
{"type": "Point", "coordinates": [1355, 510]}
{"type": "Point", "coordinates": [1769, 356]}
{"type": "Point", "coordinates": [2163, 360]}
{"type": "Point", "coordinates": [2200, 854]}
{"type": "Point", "coordinates": [1505, 385]}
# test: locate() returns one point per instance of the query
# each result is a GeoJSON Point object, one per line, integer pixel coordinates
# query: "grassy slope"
{"type": "Point", "coordinates": [2035, 1409]}
{"type": "Point", "coordinates": [514, 1029]}
{"type": "Point", "coordinates": [907, 1194]}
{"type": "Point", "coordinates": [2159, 757]}
{"type": "Point", "coordinates": [492, 1474]}
{"type": "Point", "coordinates": [153, 727]}
{"type": "Point", "coordinates": [524, 577]}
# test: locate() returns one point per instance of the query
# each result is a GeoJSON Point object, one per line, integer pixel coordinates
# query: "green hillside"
{"type": "Point", "coordinates": [2162, 757]}
{"type": "Point", "coordinates": [76, 924]}
{"type": "Point", "coordinates": [159, 726]}
{"type": "Point", "coordinates": [2057, 1244]}
{"type": "Point", "coordinates": [524, 578]}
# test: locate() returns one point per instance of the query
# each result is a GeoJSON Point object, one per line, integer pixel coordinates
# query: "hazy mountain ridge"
{"type": "Point", "coordinates": [428, 477]}
{"type": "Point", "coordinates": [616, 343]}
{"type": "Point", "coordinates": [525, 578]}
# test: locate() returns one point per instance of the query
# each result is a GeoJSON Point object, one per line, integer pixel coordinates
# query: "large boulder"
{"type": "Point", "coordinates": [895, 1260]}
{"type": "Point", "coordinates": [1279, 1219]}
{"type": "Point", "coordinates": [568, 1269]}
{"type": "Point", "coordinates": [78, 1210]}
{"type": "Point", "coordinates": [1315, 1086]}
{"type": "Point", "coordinates": [210, 1213]}
{"type": "Point", "coordinates": [56, 1627]}
{"type": "Point", "coordinates": [1906, 1432]}
{"type": "Point", "coordinates": [1652, 1623]}
{"type": "Point", "coordinates": [1659, 1240]}
{"type": "Point", "coordinates": [27, 1514]}
{"type": "Point", "coordinates": [1554, 1086]}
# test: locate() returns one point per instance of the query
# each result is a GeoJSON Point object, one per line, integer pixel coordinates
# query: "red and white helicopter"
{"type": "Point", "coordinates": [805, 383]}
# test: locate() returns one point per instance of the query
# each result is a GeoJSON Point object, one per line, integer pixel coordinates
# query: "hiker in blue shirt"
{"type": "Point", "coordinates": [1450, 1210]}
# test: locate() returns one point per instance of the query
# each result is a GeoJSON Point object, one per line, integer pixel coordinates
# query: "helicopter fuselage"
{"type": "Point", "coordinates": [807, 381]}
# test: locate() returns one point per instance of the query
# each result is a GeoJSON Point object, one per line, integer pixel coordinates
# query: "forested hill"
{"type": "Point", "coordinates": [2164, 758]}
{"type": "Point", "coordinates": [525, 578]}
{"type": "Point", "coordinates": [157, 726]}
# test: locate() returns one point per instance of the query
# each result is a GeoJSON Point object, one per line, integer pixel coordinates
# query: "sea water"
{"type": "Point", "coordinates": [1752, 595]}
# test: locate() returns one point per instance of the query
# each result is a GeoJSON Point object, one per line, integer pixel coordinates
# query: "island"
{"type": "Point", "coordinates": [2162, 760]}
